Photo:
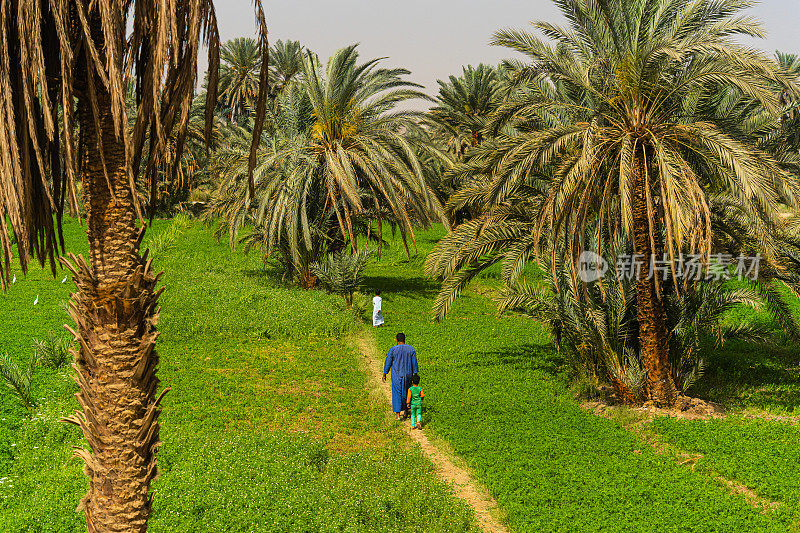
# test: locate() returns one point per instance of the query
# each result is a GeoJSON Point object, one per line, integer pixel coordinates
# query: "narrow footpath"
{"type": "Point", "coordinates": [466, 486]}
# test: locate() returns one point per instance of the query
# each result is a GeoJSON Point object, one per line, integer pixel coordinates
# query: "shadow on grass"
{"type": "Point", "coordinates": [411, 287]}
{"type": "Point", "coordinates": [751, 375]}
{"type": "Point", "coordinates": [523, 357]}
{"type": "Point", "coordinates": [267, 275]}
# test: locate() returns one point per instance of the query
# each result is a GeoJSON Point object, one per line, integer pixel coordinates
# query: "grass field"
{"type": "Point", "coordinates": [497, 393]}
{"type": "Point", "coordinates": [270, 425]}
{"type": "Point", "coordinates": [760, 454]}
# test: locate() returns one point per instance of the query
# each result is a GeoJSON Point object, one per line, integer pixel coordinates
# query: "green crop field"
{"type": "Point", "coordinates": [496, 392]}
{"type": "Point", "coordinates": [271, 424]}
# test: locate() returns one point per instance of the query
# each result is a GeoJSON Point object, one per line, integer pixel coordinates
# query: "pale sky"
{"type": "Point", "coordinates": [434, 38]}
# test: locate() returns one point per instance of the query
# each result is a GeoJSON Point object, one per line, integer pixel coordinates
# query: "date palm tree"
{"type": "Point", "coordinates": [609, 116]}
{"type": "Point", "coordinates": [338, 156]}
{"type": "Point", "coordinates": [239, 75]}
{"type": "Point", "coordinates": [285, 64]}
{"type": "Point", "coordinates": [69, 63]}
{"type": "Point", "coordinates": [359, 141]}
{"type": "Point", "coordinates": [463, 106]}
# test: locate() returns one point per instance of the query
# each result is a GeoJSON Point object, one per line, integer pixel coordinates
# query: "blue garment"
{"type": "Point", "coordinates": [402, 361]}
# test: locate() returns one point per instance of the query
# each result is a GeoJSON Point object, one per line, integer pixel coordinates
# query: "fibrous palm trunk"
{"type": "Point", "coordinates": [115, 313]}
{"type": "Point", "coordinates": [653, 338]}
{"type": "Point", "coordinates": [622, 392]}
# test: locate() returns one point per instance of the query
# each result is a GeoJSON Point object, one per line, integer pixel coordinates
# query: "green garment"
{"type": "Point", "coordinates": [415, 392]}
{"type": "Point", "coordinates": [416, 415]}
{"type": "Point", "coordinates": [416, 396]}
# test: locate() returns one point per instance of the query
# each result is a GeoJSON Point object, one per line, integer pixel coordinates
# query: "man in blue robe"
{"type": "Point", "coordinates": [402, 362]}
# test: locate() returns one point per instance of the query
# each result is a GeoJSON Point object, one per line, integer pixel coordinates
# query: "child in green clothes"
{"type": "Point", "coordinates": [414, 402]}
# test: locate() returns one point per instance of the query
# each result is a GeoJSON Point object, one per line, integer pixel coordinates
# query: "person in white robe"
{"type": "Point", "coordinates": [377, 309]}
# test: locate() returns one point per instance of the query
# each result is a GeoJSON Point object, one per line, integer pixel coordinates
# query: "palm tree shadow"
{"type": "Point", "coordinates": [265, 275]}
{"type": "Point", "coordinates": [522, 357]}
{"type": "Point", "coordinates": [751, 375]}
{"type": "Point", "coordinates": [408, 287]}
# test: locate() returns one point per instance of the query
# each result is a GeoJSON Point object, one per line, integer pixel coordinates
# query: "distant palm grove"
{"type": "Point", "coordinates": [648, 132]}
{"type": "Point", "coordinates": [630, 182]}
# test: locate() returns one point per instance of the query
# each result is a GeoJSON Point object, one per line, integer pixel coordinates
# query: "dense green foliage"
{"type": "Point", "coordinates": [336, 156]}
{"type": "Point", "coordinates": [638, 129]}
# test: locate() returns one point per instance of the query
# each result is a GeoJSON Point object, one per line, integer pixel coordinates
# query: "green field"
{"type": "Point", "coordinates": [497, 393]}
{"type": "Point", "coordinates": [271, 424]}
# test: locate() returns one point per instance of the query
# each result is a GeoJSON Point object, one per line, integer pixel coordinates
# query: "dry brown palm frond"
{"type": "Point", "coordinates": [53, 51]}
{"type": "Point", "coordinates": [263, 94]}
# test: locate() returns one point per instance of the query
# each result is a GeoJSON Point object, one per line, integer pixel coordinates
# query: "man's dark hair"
{"type": "Point", "coordinates": [401, 337]}
{"type": "Point", "coordinates": [377, 292]}
{"type": "Point", "coordinates": [415, 379]}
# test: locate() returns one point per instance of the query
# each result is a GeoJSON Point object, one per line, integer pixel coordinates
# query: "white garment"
{"type": "Point", "coordinates": [377, 313]}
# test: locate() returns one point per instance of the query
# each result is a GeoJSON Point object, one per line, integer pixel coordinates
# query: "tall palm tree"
{"type": "Point", "coordinates": [239, 75]}
{"type": "Point", "coordinates": [75, 53]}
{"type": "Point", "coordinates": [460, 116]}
{"type": "Point", "coordinates": [463, 106]}
{"type": "Point", "coordinates": [787, 142]}
{"type": "Point", "coordinates": [343, 156]}
{"type": "Point", "coordinates": [285, 64]}
{"type": "Point", "coordinates": [609, 116]}
{"type": "Point", "coordinates": [360, 141]}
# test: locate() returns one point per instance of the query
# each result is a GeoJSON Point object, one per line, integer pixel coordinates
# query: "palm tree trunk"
{"type": "Point", "coordinates": [115, 313]}
{"type": "Point", "coordinates": [379, 228]}
{"type": "Point", "coordinates": [380, 238]}
{"type": "Point", "coordinates": [653, 338]}
{"type": "Point", "coordinates": [623, 393]}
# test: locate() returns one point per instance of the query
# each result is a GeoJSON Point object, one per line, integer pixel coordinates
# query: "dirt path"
{"type": "Point", "coordinates": [466, 487]}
